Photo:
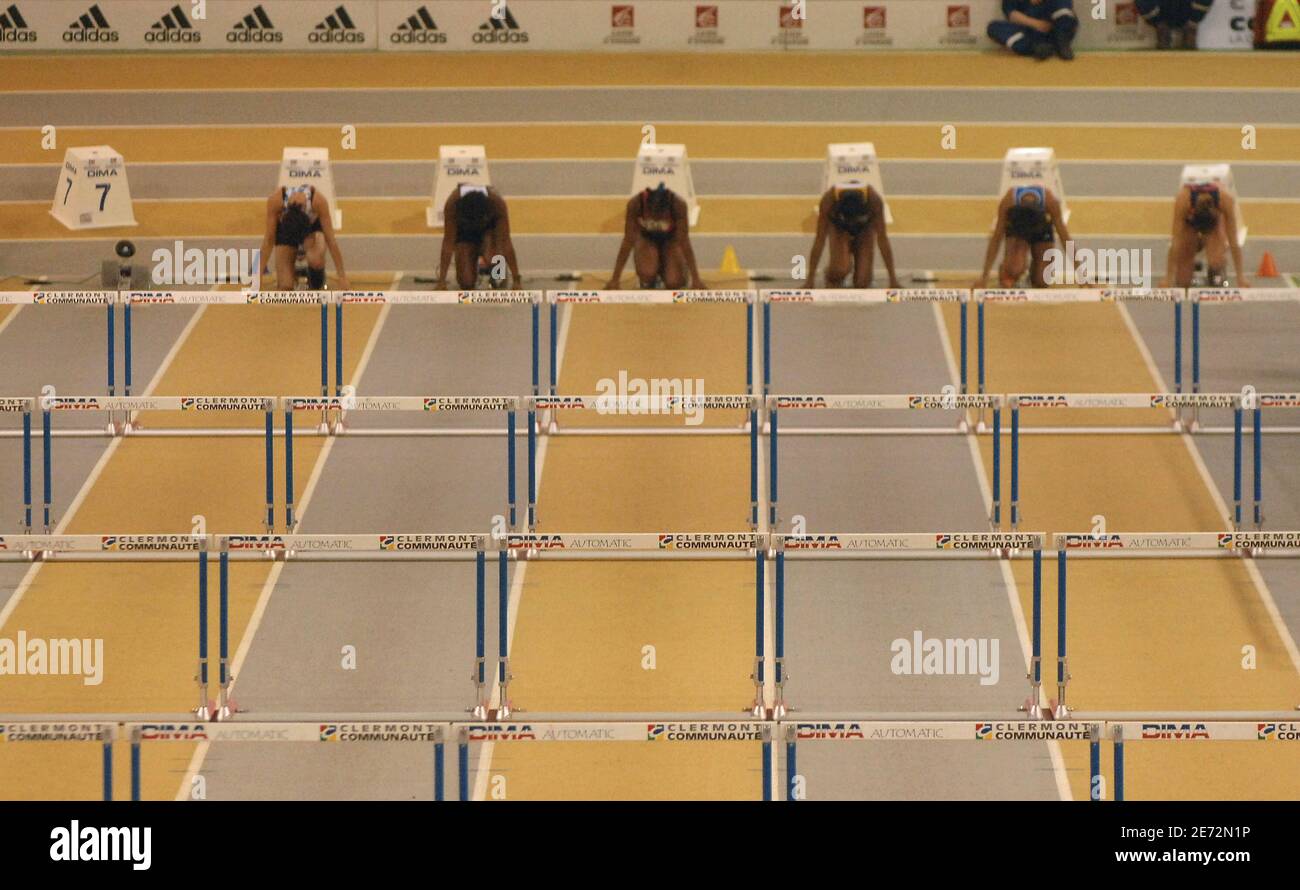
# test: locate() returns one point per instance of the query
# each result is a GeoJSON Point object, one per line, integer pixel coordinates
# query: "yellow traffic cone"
{"type": "Point", "coordinates": [730, 262]}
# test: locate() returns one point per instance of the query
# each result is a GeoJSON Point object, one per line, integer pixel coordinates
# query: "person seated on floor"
{"type": "Point", "coordinates": [1038, 28]}
{"type": "Point", "coordinates": [1166, 16]}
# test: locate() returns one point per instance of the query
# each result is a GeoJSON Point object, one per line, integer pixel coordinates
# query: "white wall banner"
{"type": "Point", "coordinates": [564, 25]}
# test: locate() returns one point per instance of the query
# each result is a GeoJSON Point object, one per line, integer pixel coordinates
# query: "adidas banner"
{"type": "Point", "coordinates": [581, 25]}
{"type": "Point", "coordinates": [136, 25]}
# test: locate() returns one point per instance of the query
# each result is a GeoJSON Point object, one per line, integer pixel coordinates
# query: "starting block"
{"type": "Point", "coordinates": [92, 192]}
{"type": "Point", "coordinates": [1033, 166]}
{"type": "Point", "coordinates": [854, 163]}
{"type": "Point", "coordinates": [1220, 175]}
{"type": "Point", "coordinates": [667, 164]}
{"type": "Point", "coordinates": [311, 166]}
{"type": "Point", "coordinates": [456, 164]}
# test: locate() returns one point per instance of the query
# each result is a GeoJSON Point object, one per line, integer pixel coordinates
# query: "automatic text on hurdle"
{"type": "Point", "coordinates": [656, 395]}
{"type": "Point", "coordinates": [53, 657]}
{"type": "Point", "coordinates": [951, 656]}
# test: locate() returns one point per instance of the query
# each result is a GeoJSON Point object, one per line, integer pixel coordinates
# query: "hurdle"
{"type": "Point", "coordinates": [131, 299]}
{"type": "Point", "coordinates": [1172, 402]}
{"type": "Point", "coordinates": [23, 406]}
{"type": "Point", "coordinates": [1265, 727]}
{"type": "Point", "coordinates": [379, 548]}
{"type": "Point", "coordinates": [105, 298]}
{"type": "Point", "coordinates": [1155, 545]}
{"type": "Point", "coordinates": [898, 402]}
{"type": "Point", "coordinates": [1227, 296]}
{"type": "Point", "coordinates": [130, 405]}
{"type": "Point", "coordinates": [858, 297]}
{"type": "Point", "coordinates": [636, 546]}
{"type": "Point", "coordinates": [820, 728]}
{"type": "Point", "coordinates": [51, 728]}
{"type": "Point", "coordinates": [657, 729]}
{"type": "Point", "coordinates": [291, 405]}
{"type": "Point", "coordinates": [1060, 296]}
{"type": "Point", "coordinates": [906, 546]}
{"type": "Point", "coordinates": [324, 729]}
{"type": "Point", "coordinates": [660, 405]}
{"type": "Point", "coordinates": [531, 298]}
{"type": "Point", "coordinates": [555, 299]}
{"type": "Point", "coordinates": [128, 548]}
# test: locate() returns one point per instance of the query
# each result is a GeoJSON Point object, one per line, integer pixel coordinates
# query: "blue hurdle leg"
{"type": "Point", "coordinates": [47, 440]}
{"type": "Point", "coordinates": [27, 472]}
{"type": "Point", "coordinates": [1259, 469]}
{"type": "Point", "coordinates": [1236, 467]}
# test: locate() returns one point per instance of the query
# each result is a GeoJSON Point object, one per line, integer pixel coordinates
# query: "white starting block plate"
{"type": "Point", "coordinates": [1220, 174]}
{"type": "Point", "coordinates": [854, 163]}
{"type": "Point", "coordinates": [667, 164]}
{"type": "Point", "coordinates": [311, 166]}
{"type": "Point", "coordinates": [92, 191]}
{"type": "Point", "coordinates": [1033, 166]}
{"type": "Point", "coordinates": [457, 164]}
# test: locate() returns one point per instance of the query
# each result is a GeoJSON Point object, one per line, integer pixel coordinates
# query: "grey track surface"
{"type": "Point", "coordinates": [64, 347]}
{"type": "Point", "coordinates": [655, 104]}
{"type": "Point", "coordinates": [414, 179]}
{"type": "Point", "coordinates": [412, 625]}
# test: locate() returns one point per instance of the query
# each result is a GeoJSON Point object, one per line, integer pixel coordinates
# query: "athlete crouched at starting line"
{"type": "Point", "coordinates": [656, 232]}
{"type": "Point", "coordinates": [476, 229]}
{"type": "Point", "coordinates": [1038, 28]}
{"type": "Point", "coordinates": [297, 219]}
{"type": "Point", "coordinates": [1028, 217]}
{"type": "Point", "coordinates": [852, 218]}
{"type": "Point", "coordinates": [1205, 220]}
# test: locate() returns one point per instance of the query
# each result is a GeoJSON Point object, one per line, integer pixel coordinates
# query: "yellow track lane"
{"type": "Point", "coordinates": [1143, 634]}
{"type": "Point", "coordinates": [194, 71]}
{"type": "Point", "coordinates": [147, 615]}
{"type": "Point", "coordinates": [600, 215]}
{"type": "Point", "coordinates": [619, 141]}
{"type": "Point", "coordinates": [581, 625]}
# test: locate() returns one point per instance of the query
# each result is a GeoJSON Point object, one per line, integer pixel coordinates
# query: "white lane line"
{"type": "Point", "coordinates": [1008, 578]}
{"type": "Point", "coordinates": [521, 567]}
{"type": "Point", "coordinates": [8, 319]}
{"type": "Point", "coordinates": [1189, 442]}
{"type": "Point", "coordinates": [268, 587]}
{"type": "Point", "coordinates": [30, 576]}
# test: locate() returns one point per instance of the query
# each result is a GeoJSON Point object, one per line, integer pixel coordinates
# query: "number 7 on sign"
{"type": "Point", "coordinates": [103, 194]}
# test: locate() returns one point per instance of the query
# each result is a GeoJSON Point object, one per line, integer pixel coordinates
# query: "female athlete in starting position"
{"type": "Point", "coordinates": [298, 218]}
{"type": "Point", "coordinates": [656, 230]}
{"type": "Point", "coordinates": [852, 217]}
{"type": "Point", "coordinates": [1028, 217]}
{"type": "Point", "coordinates": [476, 226]}
{"type": "Point", "coordinates": [1205, 219]}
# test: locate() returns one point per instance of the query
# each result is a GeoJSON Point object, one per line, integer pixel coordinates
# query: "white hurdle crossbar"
{"type": "Point", "coordinates": [1057, 296]}
{"type": "Point", "coordinates": [650, 298]}
{"type": "Point", "coordinates": [661, 405]}
{"type": "Point", "coordinates": [1227, 296]}
{"type": "Point", "coordinates": [883, 402]}
{"type": "Point", "coordinates": [425, 404]}
{"type": "Point", "coordinates": [857, 297]}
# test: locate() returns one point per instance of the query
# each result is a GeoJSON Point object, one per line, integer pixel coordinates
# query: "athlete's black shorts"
{"type": "Point", "coordinates": [282, 238]}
